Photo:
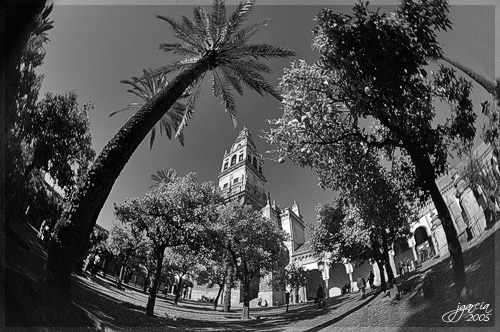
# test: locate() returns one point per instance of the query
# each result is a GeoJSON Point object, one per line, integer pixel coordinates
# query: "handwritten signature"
{"type": "Point", "coordinates": [473, 313]}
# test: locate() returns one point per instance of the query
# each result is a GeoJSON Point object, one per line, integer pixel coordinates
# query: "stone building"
{"type": "Point", "coordinates": [242, 178]}
{"type": "Point", "coordinates": [471, 213]}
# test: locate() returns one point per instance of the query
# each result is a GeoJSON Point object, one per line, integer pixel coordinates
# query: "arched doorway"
{"type": "Point", "coordinates": [314, 279]}
{"type": "Point", "coordinates": [423, 244]}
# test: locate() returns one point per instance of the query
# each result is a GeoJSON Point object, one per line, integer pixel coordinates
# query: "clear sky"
{"type": "Point", "coordinates": [93, 47]}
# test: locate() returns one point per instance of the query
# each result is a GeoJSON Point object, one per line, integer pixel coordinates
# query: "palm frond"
{"type": "Point", "coordinates": [177, 48]}
{"type": "Point", "coordinates": [205, 28]}
{"type": "Point", "coordinates": [219, 89]}
{"type": "Point", "coordinates": [239, 15]}
{"type": "Point", "coordinates": [152, 136]}
{"type": "Point", "coordinates": [190, 105]}
{"type": "Point", "coordinates": [218, 19]}
{"type": "Point", "coordinates": [250, 63]}
{"type": "Point", "coordinates": [178, 65]}
{"type": "Point", "coordinates": [163, 177]}
{"type": "Point", "coordinates": [182, 32]}
{"type": "Point", "coordinates": [232, 79]}
{"type": "Point", "coordinates": [244, 34]}
{"type": "Point", "coordinates": [254, 81]}
{"type": "Point", "coordinates": [265, 51]}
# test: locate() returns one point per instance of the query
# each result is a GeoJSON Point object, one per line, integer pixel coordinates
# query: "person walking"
{"type": "Point", "coordinates": [361, 283]}
{"type": "Point", "coordinates": [371, 278]}
{"type": "Point", "coordinates": [319, 296]}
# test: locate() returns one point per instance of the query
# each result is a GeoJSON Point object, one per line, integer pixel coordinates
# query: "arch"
{"type": "Point", "coordinates": [423, 244]}
{"type": "Point", "coordinates": [233, 160]}
{"type": "Point", "coordinates": [421, 235]}
{"type": "Point", "coordinates": [254, 162]}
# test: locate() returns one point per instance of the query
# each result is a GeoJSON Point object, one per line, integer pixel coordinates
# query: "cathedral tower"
{"type": "Point", "coordinates": [241, 175]}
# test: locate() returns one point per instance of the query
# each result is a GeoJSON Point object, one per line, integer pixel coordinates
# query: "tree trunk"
{"type": "Point", "coordinates": [379, 258]}
{"type": "Point", "coordinates": [229, 284]}
{"type": "Point", "coordinates": [150, 307]}
{"type": "Point", "coordinates": [216, 301]}
{"type": "Point", "coordinates": [245, 313]}
{"type": "Point", "coordinates": [428, 175]}
{"type": "Point", "coordinates": [179, 291]}
{"type": "Point", "coordinates": [73, 229]}
{"type": "Point", "coordinates": [146, 282]}
{"type": "Point", "coordinates": [387, 259]}
{"type": "Point", "coordinates": [383, 284]}
{"type": "Point", "coordinates": [122, 272]}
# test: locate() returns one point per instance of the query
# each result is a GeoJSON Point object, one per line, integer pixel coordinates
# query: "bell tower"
{"type": "Point", "coordinates": [241, 175]}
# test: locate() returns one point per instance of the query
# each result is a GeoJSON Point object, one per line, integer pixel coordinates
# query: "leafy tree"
{"type": "Point", "coordinates": [372, 67]}
{"type": "Point", "coordinates": [170, 216]}
{"type": "Point", "coordinates": [125, 243]}
{"type": "Point", "coordinates": [214, 43]}
{"type": "Point", "coordinates": [253, 243]}
{"type": "Point", "coordinates": [292, 279]}
{"type": "Point", "coordinates": [56, 136]}
{"type": "Point", "coordinates": [18, 23]}
{"type": "Point", "coordinates": [183, 262]}
{"type": "Point", "coordinates": [213, 273]}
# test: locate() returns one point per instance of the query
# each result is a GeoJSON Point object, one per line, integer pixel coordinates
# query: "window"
{"type": "Point", "coordinates": [233, 160]}
{"type": "Point", "coordinates": [225, 185]}
{"type": "Point", "coordinates": [226, 165]}
{"type": "Point", "coordinates": [260, 169]}
{"type": "Point", "coordinates": [255, 162]}
{"type": "Point", "coordinates": [236, 180]}
{"type": "Point", "coordinates": [241, 157]}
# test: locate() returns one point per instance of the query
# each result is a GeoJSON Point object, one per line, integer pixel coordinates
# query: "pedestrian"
{"type": "Point", "coordinates": [371, 278]}
{"type": "Point", "coordinates": [319, 296]}
{"type": "Point", "coordinates": [400, 268]}
{"type": "Point", "coordinates": [361, 283]}
{"type": "Point", "coordinates": [97, 261]}
{"type": "Point", "coordinates": [90, 265]}
{"type": "Point", "coordinates": [185, 293]}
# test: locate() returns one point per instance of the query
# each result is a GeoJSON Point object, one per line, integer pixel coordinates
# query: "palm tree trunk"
{"type": "Point", "coordinates": [73, 229]}
{"type": "Point", "coordinates": [150, 307]}
{"type": "Point", "coordinates": [480, 79]}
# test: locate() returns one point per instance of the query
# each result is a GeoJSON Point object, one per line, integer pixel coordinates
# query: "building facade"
{"type": "Point", "coordinates": [241, 178]}
{"type": "Point", "coordinates": [473, 209]}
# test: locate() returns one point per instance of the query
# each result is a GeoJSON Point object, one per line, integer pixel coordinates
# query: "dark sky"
{"type": "Point", "coordinates": [93, 48]}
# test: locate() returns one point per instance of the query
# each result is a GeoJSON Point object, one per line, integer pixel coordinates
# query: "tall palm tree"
{"type": "Point", "coordinates": [146, 87]}
{"type": "Point", "coordinates": [213, 42]}
{"type": "Point", "coordinates": [163, 176]}
{"type": "Point", "coordinates": [480, 79]}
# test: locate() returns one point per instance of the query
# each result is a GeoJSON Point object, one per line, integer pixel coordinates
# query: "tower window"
{"type": "Point", "coordinates": [233, 160]}
{"type": "Point", "coordinates": [241, 157]}
{"type": "Point", "coordinates": [255, 162]}
{"type": "Point", "coordinates": [225, 185]}
{"type": "Point", "coordinates": [260, 168]}
{"type": "Point", "coordinates": [226, 165]}
{"type": "Point", "coordinates": [236, 180]}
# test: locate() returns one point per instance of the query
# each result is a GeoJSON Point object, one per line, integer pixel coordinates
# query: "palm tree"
{"type": "Point", "coordinates": [146, 88]}
{"type": "Point", "coordinates": [163, 176]}
{"type": "Point", "coordinates": [213, 42]}
{"type": "Point", "coordinates": [480, 79]}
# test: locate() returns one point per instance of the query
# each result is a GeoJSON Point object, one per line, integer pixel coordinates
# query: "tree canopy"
{"type": "Point", "coordinates": [372, 68]}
